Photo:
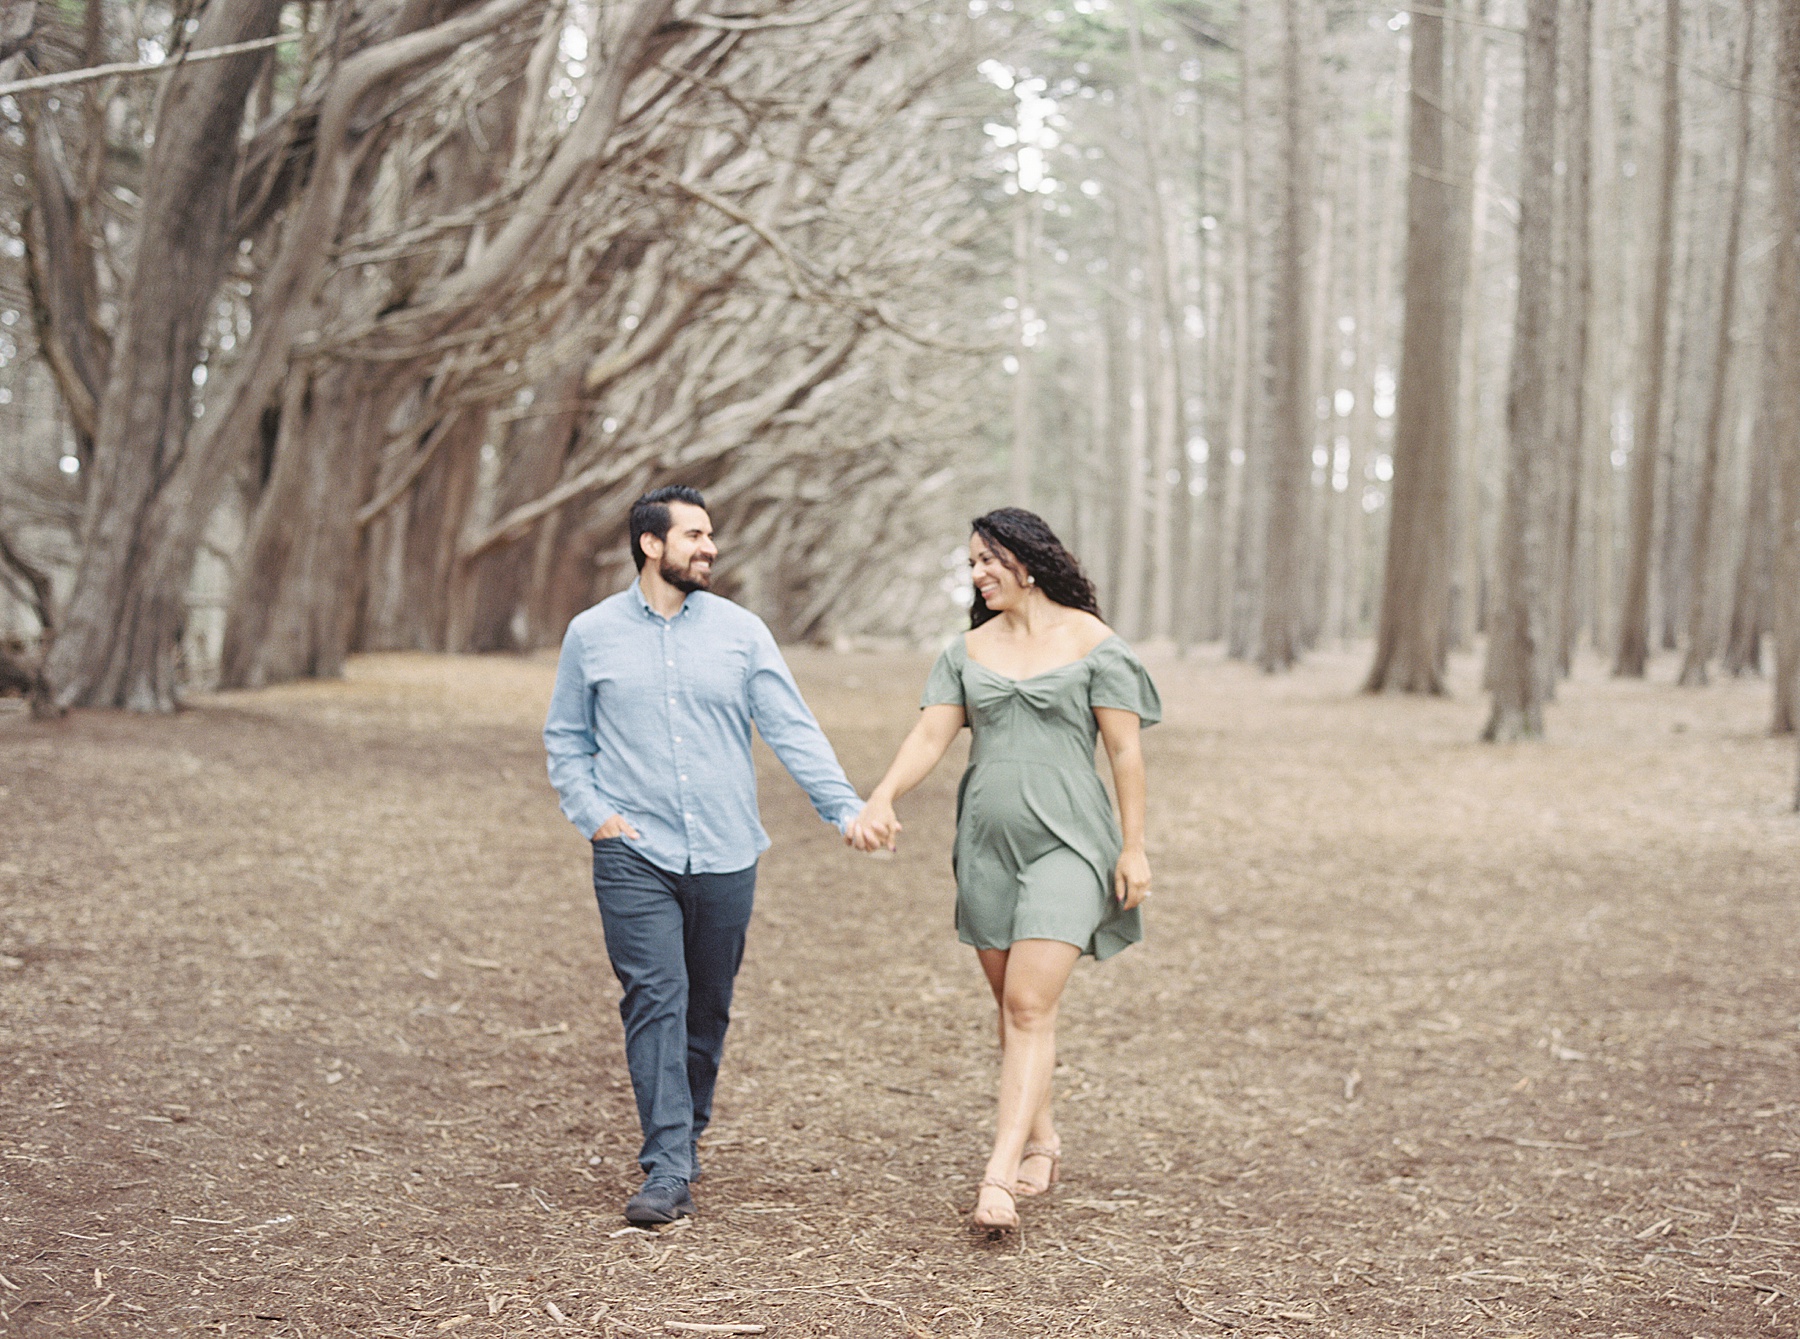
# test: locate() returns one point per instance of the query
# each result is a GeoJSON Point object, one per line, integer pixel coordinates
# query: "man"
{"type": "Point", "coordinates": [649, 744]}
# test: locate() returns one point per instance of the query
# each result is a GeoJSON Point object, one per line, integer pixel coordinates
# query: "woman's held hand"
{"type": "Point", "coordinates": [875, 827]}
{"type": "Point", "coordinates": [1131, 879]}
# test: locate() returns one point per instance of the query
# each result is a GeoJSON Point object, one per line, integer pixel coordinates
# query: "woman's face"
{"type": "Point", "coordinates": [993, 571]}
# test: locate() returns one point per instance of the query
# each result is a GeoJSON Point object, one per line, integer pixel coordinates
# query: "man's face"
{"type": "Point", "coordinates": [688, 551]}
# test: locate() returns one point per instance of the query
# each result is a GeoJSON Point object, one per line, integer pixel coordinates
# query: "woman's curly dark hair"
{"type": "Point", "coordinates": [1030, 548]}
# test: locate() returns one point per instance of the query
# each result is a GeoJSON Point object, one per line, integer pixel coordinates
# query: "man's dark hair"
{"type": "Point", "coordinates": [650, 515]}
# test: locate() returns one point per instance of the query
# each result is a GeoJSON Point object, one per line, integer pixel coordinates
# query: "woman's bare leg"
{"type": "Point", "coordinates": [1043, 1128]}
{"type": "Point", "coordinates": [1032, 976]}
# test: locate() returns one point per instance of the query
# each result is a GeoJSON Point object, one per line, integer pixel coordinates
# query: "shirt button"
{"type": "Point", "coordinates": [684, 776]}
{"type": "Point", "coordinates": [677, 739]}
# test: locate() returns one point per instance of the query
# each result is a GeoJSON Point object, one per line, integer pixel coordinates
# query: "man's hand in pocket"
{"type": "Point", "coordinates": [616, 826]}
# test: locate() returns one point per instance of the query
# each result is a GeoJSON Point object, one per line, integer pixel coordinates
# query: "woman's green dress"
{"type": "Point", "coordinates": [1036, 841]}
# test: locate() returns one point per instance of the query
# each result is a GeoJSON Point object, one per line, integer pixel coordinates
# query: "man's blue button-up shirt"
{"type": "Point", "coordinates": [651, 720]}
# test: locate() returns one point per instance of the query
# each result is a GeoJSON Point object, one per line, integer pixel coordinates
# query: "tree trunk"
{"type": "Point", "coordinates": [1577, 304]}
{"type": "Point", "coordinates": [1135, 465]}
{"type": "Point", "coordinates": [1346, 515]}
{"type": "Point", "coordinates": [1634, 617]}
{"type": "Point", "coordinates": [294, 599]}
{"type": "Point", "coordinates": [1750, 592]}
{"type": "Point", "coordinates": [1606, 339]}
{"type": "Point", "coordinates": [1022, 461]}
{"type": "Point", "coordinates": [1162, 352]}
{"type": "Point", "coordinates": [1692, 301]}
{"type": "Point", "coordinates": [1410, 650]}
{"type": "Point", "coordinates": [1291, 402]}
{"type": "Point", "coordinates": [60, 271]}
{"type": "Point", "coordinates": [1316, 552]}
{"type": "Point", "coordinates": [413, 574]}
{"type": "Point", "coordinates": [1699, 632]}
{"type": "Point", "coordinates": [1481, 105]}
{"type": "Point", "coordinates": [120, 640]}
{"type": "Point", "coordinates": [504, 579]}
{"type": "Point", "coordinates": [1519, 647]}
{"type": "Point", "coordinates": [1246, 449]}
{"type": "Point", "coordinates": [1780, 417]}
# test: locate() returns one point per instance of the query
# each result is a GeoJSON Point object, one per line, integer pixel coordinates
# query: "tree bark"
{"type": "Point", "coordinates": [1699, 630]}
{"type": "Point", "coordinates": [1577, 304]}
{"type": "Point", "coordinates": [294, 600]}
{"type": "Point", "coordinates": [1780, 416]}
{"type": "Point", "coordinates": [1411, 645]}
{"type": "Point", "coordinates": [1162, 351]}
{"type": "Point", "coordinates": [1291, 401]}
{"type": "Point", "coordinates": [1750, 591]}
{"type": "Point", "coordinates": [1480, 102]}
{"type": "Point", "coordinates": [1520, 645]}
{"type": "Point", "coordinates": [1634, 616]}
{"type": "Point", "coordinates": [1247, 323]}
{"type": "Point", "coordinates": [1022, 462]}
{"type": "Point", "coordinates": [505, 578]}
{"type": "Point", "coordinates": [119, 645]}
{"type": "Point", "coordinates": [64, 300]}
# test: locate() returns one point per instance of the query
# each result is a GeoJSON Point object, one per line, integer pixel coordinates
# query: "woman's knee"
{"type": "Point", "coordinates": [1028, 1009]}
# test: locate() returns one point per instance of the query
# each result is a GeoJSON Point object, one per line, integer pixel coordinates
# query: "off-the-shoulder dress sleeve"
{"type": "Point", "coordinates": [1118, 679]}
{"type": "Point", "coordinates": [945, 686]}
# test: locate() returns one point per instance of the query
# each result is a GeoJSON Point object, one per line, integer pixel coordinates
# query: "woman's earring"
{"type": "Point", "coordinates": [1031, 581]}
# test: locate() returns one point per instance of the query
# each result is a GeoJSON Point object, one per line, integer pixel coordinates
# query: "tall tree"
{"type": "Point", "coordinates": [1519, 645]}
{"type": "Point", "coordinates": [1161, 348]}
{"type": "Point", "coordinates": [1780, 416]}
{"type": "Point", "coordinates": [120, 637]}
{"type": "Point", "coordinates": [1411, 644]}
{"type": "Point", "coordinates": [1022, 461]}
{"type": "Point", "coordinates": [1290, 430]}
{"type": "Point", "coordinates": [1699, 629]}
{"type": "Point", "coordinates": [1577, 303]}
{"type": "Point", "coordinates": [1634, 616]}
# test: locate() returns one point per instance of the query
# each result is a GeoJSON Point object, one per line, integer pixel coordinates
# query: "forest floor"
{"type": "Point", "coordinates": [306, 1028]}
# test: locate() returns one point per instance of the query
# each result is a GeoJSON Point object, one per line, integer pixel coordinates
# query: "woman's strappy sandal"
{"type": "Point", "coordinates": [1005, 1224]}
{"type": "Point", "coordinates": [1054, 1154]}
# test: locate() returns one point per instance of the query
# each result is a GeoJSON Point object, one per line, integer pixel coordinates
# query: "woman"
{"type": "Point", "coordinates": [1043, 874]}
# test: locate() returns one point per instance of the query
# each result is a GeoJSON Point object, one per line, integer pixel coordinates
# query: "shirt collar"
{"type": "Point", "coordinates": [637, 590]}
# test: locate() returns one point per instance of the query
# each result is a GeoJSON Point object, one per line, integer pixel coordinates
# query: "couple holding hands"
{"type": "Point", "coordinates": [648, 739]}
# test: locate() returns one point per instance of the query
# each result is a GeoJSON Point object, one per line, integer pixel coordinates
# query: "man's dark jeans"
{"type": "Point", "coordinates": [675, 941]}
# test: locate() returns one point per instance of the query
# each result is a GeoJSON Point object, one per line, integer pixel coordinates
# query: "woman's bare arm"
{"type": "Point", "coordinates": [1119, 732]}
{"type": "Point", "coordinates": [921, 750]}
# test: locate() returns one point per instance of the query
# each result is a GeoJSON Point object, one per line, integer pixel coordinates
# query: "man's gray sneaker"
{"type": "Point", "coordinates": [659, 1201]}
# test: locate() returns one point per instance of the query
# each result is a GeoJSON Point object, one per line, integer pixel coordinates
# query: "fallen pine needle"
{"type": "Point", "coordinates": [695, 1327]}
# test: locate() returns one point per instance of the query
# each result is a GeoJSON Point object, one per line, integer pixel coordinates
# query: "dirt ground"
{"type": "Point", "coordinates": [306, 1029]}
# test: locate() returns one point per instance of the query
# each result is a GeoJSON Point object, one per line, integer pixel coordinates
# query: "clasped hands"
{"type": "Point", "coordinates": [875, 828]}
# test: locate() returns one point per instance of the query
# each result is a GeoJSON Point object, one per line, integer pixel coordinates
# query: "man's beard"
{"type": "Point", "coordinates": [685, 579]}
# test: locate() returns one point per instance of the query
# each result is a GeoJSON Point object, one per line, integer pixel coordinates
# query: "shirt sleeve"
{"type": "Point", "coordinates": [1120, 680]}
{"type": "Point", "coordinates": [570, 744]}
{"type": "Point", "coordinates": [944, 686]}
{"type": "Point", "coordinates": [788, 726]}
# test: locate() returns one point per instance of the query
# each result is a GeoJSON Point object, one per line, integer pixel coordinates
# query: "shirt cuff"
{"type": "Point", "coordinates": [846, 815]}
{"type": "Point", "coordinates": [588, 819]}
